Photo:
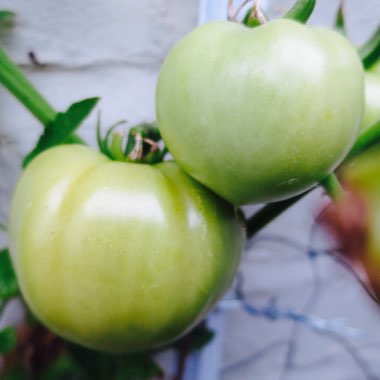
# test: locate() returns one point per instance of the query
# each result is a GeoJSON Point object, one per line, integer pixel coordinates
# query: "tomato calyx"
{"type": "Point", "coordinates": [142, 144]}
{"type": "Point", "coordinates": [254, 16]}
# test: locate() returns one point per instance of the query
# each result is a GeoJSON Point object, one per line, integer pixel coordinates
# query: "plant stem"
{"type": "Point", "coordinates": [332, 187]}
{"type": "Point", "coordinates": [267, 213]}
{"type": "Point", "coordinates": [17, 83]}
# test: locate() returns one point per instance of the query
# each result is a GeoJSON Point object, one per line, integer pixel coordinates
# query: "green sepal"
{"type": "Point", "coordinates": [60, 130]}
{"type": "Point", "coordinates": [104, 143]}
{"type": "Point", "coordinates": [116, 146]}
{"type": "Point", "coordinates": [301, 11]}
{"type": "Point", "coordinates": [142, 144]}
{"type": "Point", "coordinates": [8, 339]}
{"type": "Point", "coordinates": [340, 22]}
{"type": "Point", "coordinates": [139, 139]}
{"type": "Point", "coordinates": [370, 52]}
{"type": "Point", "coordinates": [249, 21]}
{"type": "Point", "coordinates": [8, 282]}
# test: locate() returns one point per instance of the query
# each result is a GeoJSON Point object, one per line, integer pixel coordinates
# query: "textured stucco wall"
{"type": "Point", "coordinates": [113, 50]}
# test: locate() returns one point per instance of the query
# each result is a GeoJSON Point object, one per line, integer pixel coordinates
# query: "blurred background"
{"type": "Point", "coordinates": [72, 50]}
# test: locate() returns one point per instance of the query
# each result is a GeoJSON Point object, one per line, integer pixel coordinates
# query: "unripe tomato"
{"type": "Point", "coordinates": [372, 100]}
{"type": "Point", "coordinates": [262, 114]}
{"type": "Point", "coordinates": [119, 256]}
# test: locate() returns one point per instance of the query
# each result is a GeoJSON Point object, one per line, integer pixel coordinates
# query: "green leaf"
{"type": "Point", "coordinates": [201, 338]}
{"type": "Point", "coordinates": [8, 282]}
{"type": "Point", "coordinates": [63, 368]}
{"type": "Point", "coordinates": [196, 339]}
{"type": "Point", "coordinates": [301, 11]}
{"type": "Point", "coordinates": [370, 52]}
{"type": "Point", "coordinates": [6, 19]}
{"type": "Point", "coordinates": [17, 372]}
{"type": "Point", "coordinates": [59, 131]}
{"type": "Point", "coordinates": [340, 24]}
{"type": "Point", "coordinates": [8, 339]}
{"type": "Point", "coordinates": [138, 367]}
{"type": "Point", "coordinates": [98, 365]}
{"type": "Point", "coordinates": [74, 139]}
{"type": "Point", "coordinates": [95, 365]}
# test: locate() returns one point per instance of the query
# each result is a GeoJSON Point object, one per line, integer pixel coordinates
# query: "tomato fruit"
{"type": "Point", "coordinates": [119, 256]}
{"type": "Point", "coordinates": [372, 100]}
{"type": "Point", "coordinates": [262, 114]}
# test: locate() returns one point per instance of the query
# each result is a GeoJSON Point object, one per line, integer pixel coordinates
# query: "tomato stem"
{"type": "Point", "coordinates": [332, 187]}
{"type": "Point", "coordinates": [267, 213]}
{"type": "Point", "coordinates": [17, 83]}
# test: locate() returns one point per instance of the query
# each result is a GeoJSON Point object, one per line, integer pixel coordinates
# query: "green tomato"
{"type": "Point", "coordinates": [372, 100]}
{"type": "Point", "coordinates": [119, 256]}
{"type": "Point", "coordinates": [262, 114]}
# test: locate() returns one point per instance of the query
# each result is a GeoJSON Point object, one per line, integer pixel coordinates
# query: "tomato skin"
{"type": "Point", "coordinates": [372, 100]}
{"type": "Point", "coordinates": [260, 115]}
{"type": "Point", "coordinates": [119, 257]}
